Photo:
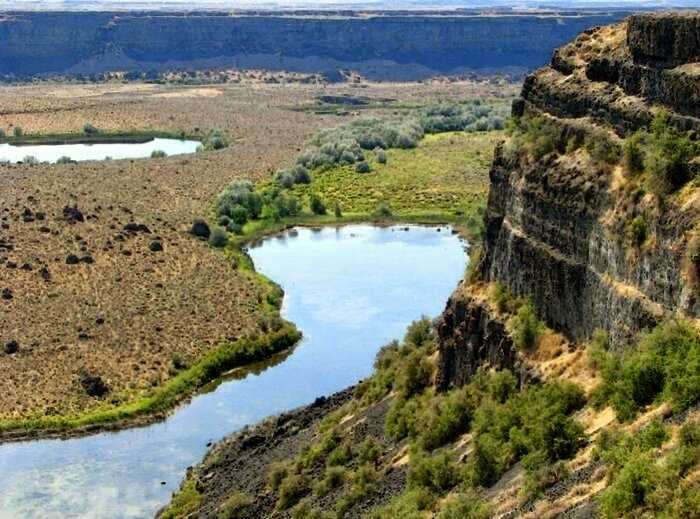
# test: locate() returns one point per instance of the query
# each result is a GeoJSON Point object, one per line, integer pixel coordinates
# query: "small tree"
{"type": "Point", "coordinates": [381, 155]}
{"type": "Point", "coordinates": [17, 131]}
{"type": "Point", "coordinates": [158, 154]}
{"type": "Point", "coordinates": [337, 210]}
{"type": "Point", "coordinates": [64, 160]}
{"type": "Point", "coordinates": [362, 167]}
{"type": "Point", "coordinates": [31, 160]}
{"type": "Point", "coordinates": [218, 237]}
{"type": "Point", "coordinates": [526, 327]}
{"type": "Point", "coordinates": [89, 129]}
{"type": "Point", "coordinates": [317, 205]}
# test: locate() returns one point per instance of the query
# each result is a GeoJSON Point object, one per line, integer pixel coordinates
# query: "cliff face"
{"type": "Point", "coordinates": [383, 47]}
{"type": "Point", "coordinates": [557, 223]}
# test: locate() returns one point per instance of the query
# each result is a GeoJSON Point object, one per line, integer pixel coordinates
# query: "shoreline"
{"type": "Point", "coordinates": [170, 396]}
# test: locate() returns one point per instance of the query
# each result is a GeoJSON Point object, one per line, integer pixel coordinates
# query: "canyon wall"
{"type": "Point", "coordinates": [557, 223]}
{"type": "Point", "coordinates": [386, 46]}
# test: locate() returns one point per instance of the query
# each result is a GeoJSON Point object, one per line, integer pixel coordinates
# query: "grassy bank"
{"type": "Point", "coordinates": [227, 356]}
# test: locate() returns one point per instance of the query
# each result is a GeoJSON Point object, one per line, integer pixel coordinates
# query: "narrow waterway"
{"type": "Point", "coordinates": [98, 151]}
{"type": "Point", "coordinates": [350, 290]}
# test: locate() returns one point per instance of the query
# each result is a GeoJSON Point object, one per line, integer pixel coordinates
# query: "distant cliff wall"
{"type": "Point", "coordinates": [380, 47]}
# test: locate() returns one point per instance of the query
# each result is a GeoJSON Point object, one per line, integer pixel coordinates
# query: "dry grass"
{"type": "Point", "coordinates": [126, 317]}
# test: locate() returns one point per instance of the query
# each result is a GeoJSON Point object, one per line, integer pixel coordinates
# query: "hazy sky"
{"type": "Point", "coordinates": [339, 3]}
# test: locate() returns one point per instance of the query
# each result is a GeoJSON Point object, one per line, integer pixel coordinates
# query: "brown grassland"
{"type": "Point", "coordinates": [132, 316]}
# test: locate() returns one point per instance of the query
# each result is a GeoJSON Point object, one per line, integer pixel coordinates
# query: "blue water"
{"type": "Point", "coordinates": [350, 290]}
{"type": "Point", "coordinates": [100, 151]}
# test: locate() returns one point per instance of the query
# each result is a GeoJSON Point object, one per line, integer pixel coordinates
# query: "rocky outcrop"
{"type": "Point", "coordinates": [470, 337]}
{"type": "Point", "coordinates": [557, 223]}
{"type": "Point", "coordinates": [379, 46]}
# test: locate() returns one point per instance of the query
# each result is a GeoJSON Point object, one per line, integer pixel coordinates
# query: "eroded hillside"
{"type": "Point", "coordinates": [561, 379]}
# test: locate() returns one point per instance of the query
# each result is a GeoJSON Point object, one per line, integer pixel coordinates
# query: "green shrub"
{"type": "Point", "coordinates": [466, 505]}
{"type": "Point", "coordinates": [540, 134]}
{"type": "Point", "coordinates": [527, 328]}
{"type": "Point", "coordinates": [238, 214]}
{"type": "Point", "coordinates": [369, 451]}
{"type": "Point", "coordinates": [502, 297]}
{"type": "Point", "coordinates": [333, 478]}
{"type": "Point", "coordinates": [363, 482]}
{"type": "Point", "coordinates": [381, 156]}
{"type": "Point", "coordinates": [415, 375]}
{"type": "Point", "coordinates": [668, 156]}
{"type": "Point", "coordinates": [631, 488]}
{"type": "Point", "coordinates": [665, 364]}
{"type": "Point", "coordinates": [303, 510]}
{"type": "Point", "coordinates": [89, 129]}
{"type": "Point", "coordinates": [158, 154]}
{"type": "Point", "coordinates": [291, 490]}
{"type": "Point", "coordinates": [637, 231]}
{"type": "Point", "coordinates": [409, 504]}
{"type": "Point", "coordinates": [533, 425]}
{"type": "Point", "coordinates": [316, 204]}
{"type": "Point", "coordinates": [223, 221]}
{"type": "Point", "coordinates": [445, 419]}
{"type": "Point", "coordinates": [337, 211]}
{"type": "Point", "coordinates": [383, 211]}
{"type": "Point", "coordinates": [65, 160]}
{"type": "Point", "coordinates": [236, 506]}
{"type": "Point", "coordinates": [602, 149]}
{"type": "Point", "coordinates": [632, 154]}
{"type": "Point", "coordinates": [30, 160]}
{"type": "Point", "coordinates": [284, 179]}
{"type": "Point", "coordinates": [341, 455]}
{"type": "Point", "coordinates": [17, 131]}
{"type": "Point", "coordinates": [214, 140]}
{"type": "Point", "coordinates": [362, 167]}
{"type": "Point", "coordinates": [284, 205]}
{"type": "Point", "coordinates": [239, 194]}
{"type": "Point", "coordinates": [276, 474]}
{"type": "Point", "coordinates": [235, 228]}
{"type": "Point", "coordinates": [597, 350]}
{"type": "Point", "coordinates": [438, 473]}
{"type": "Point", "coordinates": [218, 237]}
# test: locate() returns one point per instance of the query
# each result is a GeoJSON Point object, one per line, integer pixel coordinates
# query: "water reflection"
{"type": "Point", "coordinates": [350, 290]}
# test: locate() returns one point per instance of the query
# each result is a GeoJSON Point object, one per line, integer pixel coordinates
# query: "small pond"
{"type": "Point", "coordinates": [97, 151]}
{"type": "Point", "coordinates": [350, 290]}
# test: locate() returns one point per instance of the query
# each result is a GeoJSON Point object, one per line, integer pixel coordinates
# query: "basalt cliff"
{"type": "Point", "coordinates": [558, 220]}
{"type": "Point", "coordinates": [403, 46]}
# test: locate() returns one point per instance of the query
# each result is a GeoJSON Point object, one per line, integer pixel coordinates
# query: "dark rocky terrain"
{"type": "Point", "coordinates": [397, 46]}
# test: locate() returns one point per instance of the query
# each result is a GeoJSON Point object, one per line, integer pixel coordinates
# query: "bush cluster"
{"type": "Point", "coordinates": [527, 328]}
{"type": "Point", "coordinates": [470, 116]}
{"type": "Point", "coordinates": [640, 483]}
{"type": "Point", "coordinates": [665, 365]}
{"type": "Point", "coordinates": [239, 202]}
{"type": "Point", "coordinates": [213, 140]}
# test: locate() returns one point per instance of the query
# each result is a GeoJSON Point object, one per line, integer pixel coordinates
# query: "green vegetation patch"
{"type": "Point", "coordinates": [227, 356]}
{"type": "Point", "coordinates": [646, 480]}
{"type": "Point", "coordinates": [665, 366]}
{"type": "Point", "coordinates": [445, 173]}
